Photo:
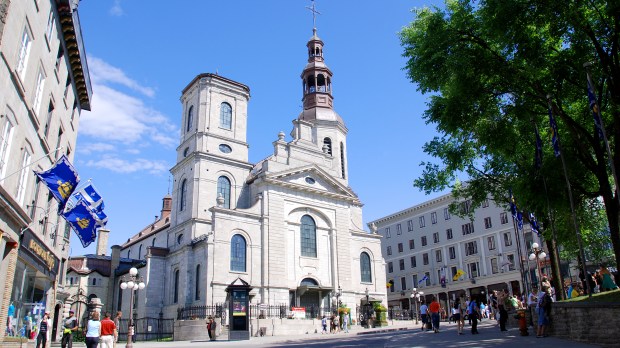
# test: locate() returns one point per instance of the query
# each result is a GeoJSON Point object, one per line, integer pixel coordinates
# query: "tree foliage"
{"type": "Point", "coordinates": [492, 69]}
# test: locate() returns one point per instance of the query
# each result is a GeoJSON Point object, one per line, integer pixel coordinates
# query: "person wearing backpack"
{"type": "Point", "coordinates": [543, 309]}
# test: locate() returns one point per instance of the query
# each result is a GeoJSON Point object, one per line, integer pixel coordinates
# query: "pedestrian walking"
{"type": "Point", "coordinates": [345, 323]}
{"type": "Point", "coordinates": [324, 324]}
{"type": "Point", "coordinates": [108, 331]}
{"type": "Point", "coordinates": [502, 296]}
{"type": "Point", "coordinates": [424, 315]}
{"type": "Point", "coordinates": [93, 331]}
{"type": "Point", "coordinates": [456, 315]}
{"type": "Point", "coordinates": [474, 314]}
{"type": "Point", "coordinates": [434, 308]}
{"type": "Point", "coordinates": [117, 324]}
{"type": "Point", "coordinates": [336, 324]}
{"type": "Point", "coordinates": [69, 325]}
{"type": "Point", "coordinates": [211, 325]}
{"type": "Point", "coordinates": [44, 326]}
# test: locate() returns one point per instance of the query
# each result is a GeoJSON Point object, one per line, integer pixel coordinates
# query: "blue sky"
{"type": "Point", "coordinates": [142, 53]}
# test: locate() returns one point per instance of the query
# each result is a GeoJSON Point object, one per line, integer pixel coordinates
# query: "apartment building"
{"type": "Point", "coordinates": [425, 247]}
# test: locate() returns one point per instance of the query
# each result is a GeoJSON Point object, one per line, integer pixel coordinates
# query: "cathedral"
{"type": "Point", "coordinates": [289, 226]}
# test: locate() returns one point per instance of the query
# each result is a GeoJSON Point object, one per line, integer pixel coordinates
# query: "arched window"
{"type": "Point", "coordinates": [311, 84]}
{"type": "Point", "coordinates": [365, 270]}
{"type": "Point", "coordinates": [153, 242]}
{"type": "Point", "coordinates": [175, 299]}
{"type": "Point", "coordinates": [128, 253]}
{"type": "Point", "coordinates": [308, 236]}
{"type": "Point", "coordinates": [309, 282]}
{"type": "Point", "coordinates": [225, 116]}
{"type": "Point", "coordinates": [197, 292]}
{"type": "Point", "coordinates": [237, 253]}
{"type": "Point", "coordinates": [183, 195]}
{"type": "Point", "coordinates": [327, 145]}
{"type": "Point", "coordinates": [320, 81]}
{"type": "Point", "coordinates": [94, 281]}
{"type": "Point", "coordinates": [223, 189]}
{"type": "Point", "coordinates": [140, 252]}
{"type": "Point", "coordinates": [190, 118]}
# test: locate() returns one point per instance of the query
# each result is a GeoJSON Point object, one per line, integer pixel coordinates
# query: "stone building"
{"type": "Point", "coordinates": [44, 86]}
{"type": "Point", "coordinates": [289, 225]}
{"type": "Point", "coordinates": [426, 240]}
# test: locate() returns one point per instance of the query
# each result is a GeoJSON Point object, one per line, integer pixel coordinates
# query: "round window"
{"type": "Point", "coordinates": [225, 148]}
{"type": "Point", "coordinates": [310, 181]}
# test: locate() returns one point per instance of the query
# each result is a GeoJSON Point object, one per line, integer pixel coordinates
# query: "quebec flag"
{"type": "Point", "coordinates": [83, 221]}
{"type": "Point", "coordinates": [61, 180]}
{"type": "Point", "coordinates": [93, 200]}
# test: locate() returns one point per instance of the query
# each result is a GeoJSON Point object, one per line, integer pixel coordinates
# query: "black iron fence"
{"type": "Point", "coordinates": [260, 311]}
{"type": "Point", "coordinates": [147, 329]}
{"type": "Point", "coordinates": [200, 312]}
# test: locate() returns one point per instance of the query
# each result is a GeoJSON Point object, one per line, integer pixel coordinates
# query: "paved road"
{"type": "Point", "coordinates": [489, 336]}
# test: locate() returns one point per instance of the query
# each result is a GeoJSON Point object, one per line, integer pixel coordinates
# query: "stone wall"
{"type": "Point", "coordinates": [583, 322]}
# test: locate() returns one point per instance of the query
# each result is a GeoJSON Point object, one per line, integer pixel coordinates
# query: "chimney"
{"type": "Point", "coordinates": [102, 241]}
{"type": "Point", "coordinates": [166, 206]}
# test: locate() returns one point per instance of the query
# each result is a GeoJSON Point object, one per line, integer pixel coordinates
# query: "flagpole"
{"type": "Point", "coordinates": [519, 253]}
{"type": "Point", "coordinates": [602, 128]}
{"type": "Point", "coordinates": [572, 207]}
{"type": "Point", "coordinates": [554, 238]}
{"type": "Point", "coordinates": [31, 163]}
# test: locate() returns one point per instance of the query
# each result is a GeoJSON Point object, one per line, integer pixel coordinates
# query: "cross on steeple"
{"type": "Point", "coordinates": [314, 13]}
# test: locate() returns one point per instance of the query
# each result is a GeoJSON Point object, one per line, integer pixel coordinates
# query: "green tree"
{"type": "Point", "coordinates": [492, 68]}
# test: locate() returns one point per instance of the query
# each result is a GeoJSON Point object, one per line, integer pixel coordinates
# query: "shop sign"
{"type": "Point", "coordinates": [39, 254]}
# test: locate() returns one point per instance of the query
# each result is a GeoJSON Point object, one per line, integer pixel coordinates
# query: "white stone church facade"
{"type": "Point", "coordinates": [289, 225]}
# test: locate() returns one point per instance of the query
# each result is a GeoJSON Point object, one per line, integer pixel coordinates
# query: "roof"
{"type": "Point", "coordinates": [158, 225]}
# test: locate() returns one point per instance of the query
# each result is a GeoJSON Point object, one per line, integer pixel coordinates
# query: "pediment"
{"type": "Point", "coordinates": [312, 178]}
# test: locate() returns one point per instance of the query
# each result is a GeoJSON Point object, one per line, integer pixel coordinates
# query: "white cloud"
{"type": "Point", "coordinates": [122, 133]}
{"type": "Point", "coordinates": [90, 148]}
{"type": "Point", "coordinates": [119, 117]}
{"type": "Point", "coordinates": [125, 166]}
{"type": "Point", "coordinates": [103, 72]}
{"type": "Point", "coordinates": [116, 9]}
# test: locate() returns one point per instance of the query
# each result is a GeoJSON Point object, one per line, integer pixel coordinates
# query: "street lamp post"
{"type": "Point", "coordinates": [133, 283]}
{"type": "Point", "coordinates": [537, 253]}
{"type": "Point", "coordinates": [415, 296]}
{"type": "Point", "coordinates": [367, 308]}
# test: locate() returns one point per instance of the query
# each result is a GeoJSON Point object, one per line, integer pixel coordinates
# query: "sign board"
{"type": "Point", "coordinates": [299, 312]}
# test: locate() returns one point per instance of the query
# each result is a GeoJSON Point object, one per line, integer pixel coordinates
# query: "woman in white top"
{"type": "Point", "coordinates": [456, 314]}
{"type": "Point", "coordinates": [424, 315]}
{"type": "Point", "coordinates": [93, 331]}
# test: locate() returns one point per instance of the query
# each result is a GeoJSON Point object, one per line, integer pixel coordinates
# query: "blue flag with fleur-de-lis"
{"type": "Point", "coordinates": [61, 179]}
{"type": "Point", "coordinates": [83, 221]}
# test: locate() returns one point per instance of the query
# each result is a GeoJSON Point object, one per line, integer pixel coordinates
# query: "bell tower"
{"type": "Point", "coordinates": [316, 77]}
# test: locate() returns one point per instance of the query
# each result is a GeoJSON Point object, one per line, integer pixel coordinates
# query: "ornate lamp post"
{"type": "Point", "coordinates": [367, 308]}
{"type": "Point", "coordinates": [537, 253]}
{"type": "Point", "coordinates": [133, 283]}
{"type": "Point", "coordinates": [415, 296]}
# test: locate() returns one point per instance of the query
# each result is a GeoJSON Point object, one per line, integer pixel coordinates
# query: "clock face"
{"type": "Point", "coordinates": [310, 181]}
{"type": "Point", "coordinates": [225, 148]}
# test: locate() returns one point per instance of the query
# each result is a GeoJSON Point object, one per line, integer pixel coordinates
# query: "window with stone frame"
{"type": "Point", "coordinates": [365, 268]}
{"type": "Point", "coordinates": [452, 252]}
{"type": "Point", "coordinates": [425, 259]}
{"type": "Point", "coordinates": [424, 241]}
{"type": "Point", "coordinates": [414, 264]}
{"type": "Point", "coordinates": [449, 234]}
{"type": "Point", "coordinates": [433, 218]}
{"type": "Point", "coordinates": [491, 242]}
{"type": "Point", "coordinates": [401, 264]}
{"type": "Point", "coordinates": [438, 257]}
{"type": "Point", "coordinates": [503, 218]}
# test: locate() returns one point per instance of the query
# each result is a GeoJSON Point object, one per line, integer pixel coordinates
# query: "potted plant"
{"type": "Point", "coordinates": [381, 314]}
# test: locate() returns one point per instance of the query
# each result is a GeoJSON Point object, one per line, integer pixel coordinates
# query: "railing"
{"type": "Point", "coordinates": [200, 312]}
{"type": "Point", "coordinates": [147, 329]}
{"type": "Point", "coordinates": [259, 311]}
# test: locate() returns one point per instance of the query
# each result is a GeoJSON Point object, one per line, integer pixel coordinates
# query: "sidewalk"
{"type": "Point", "coordinates": [490, 336]}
